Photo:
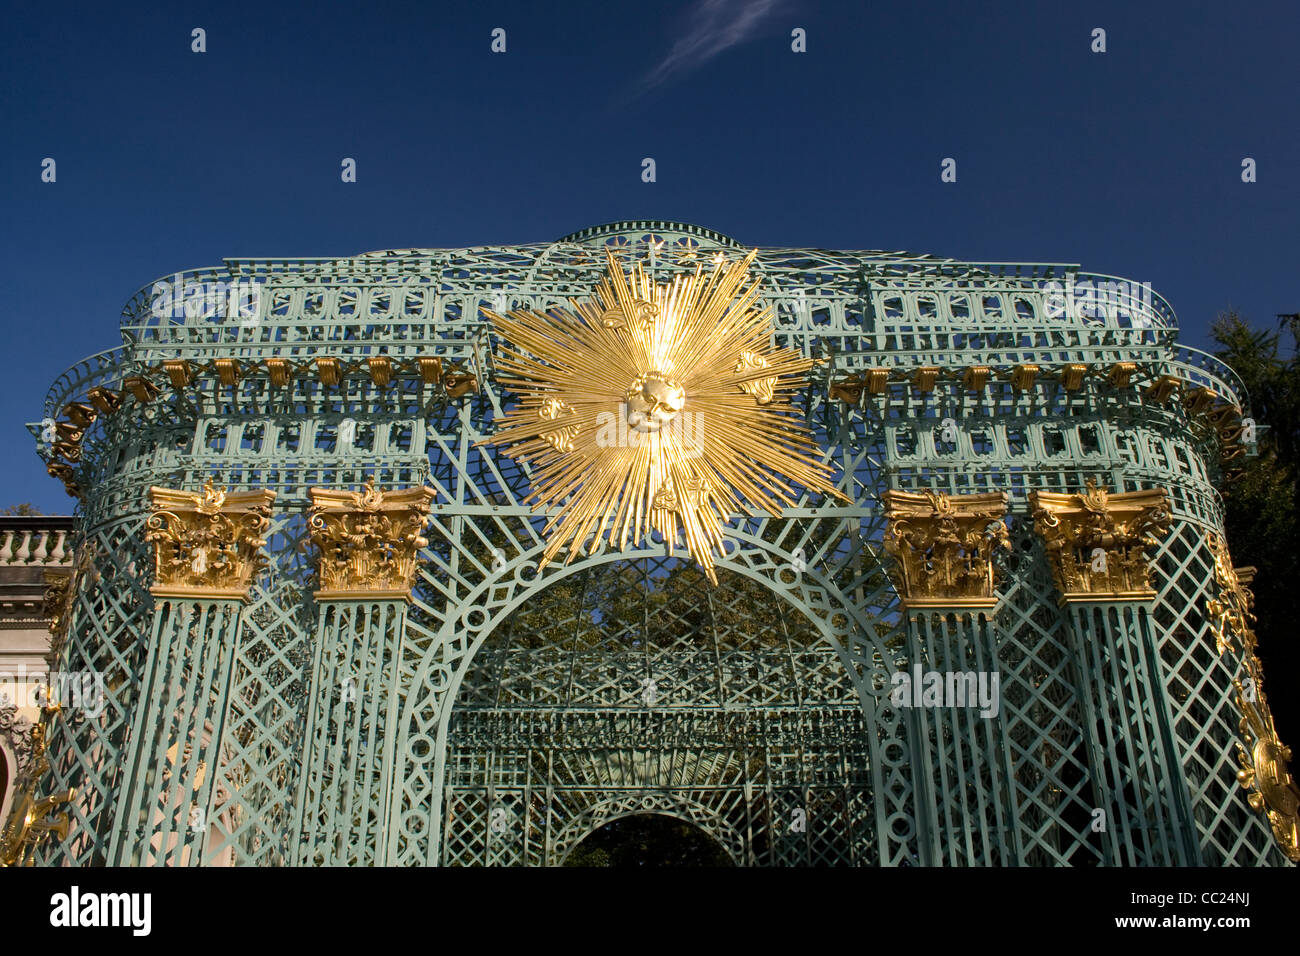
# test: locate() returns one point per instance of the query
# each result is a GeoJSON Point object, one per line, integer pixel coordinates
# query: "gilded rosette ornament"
{"type": "Point", "coordinates": [367, 541]}
{"type": "Point", "coordinates": [1097, 541]}
{"type": "Point", "coordinates": [1263, 773]}
{"type": "Point", "coordinates": [207, 545]}
{"type": "Point", "coordinates": [656, 407]}
{"type": "Point", "coordinates": [944, 546]}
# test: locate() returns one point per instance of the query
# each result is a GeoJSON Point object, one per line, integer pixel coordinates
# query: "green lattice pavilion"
{"type": "Point", "coordinates": [312, 585]}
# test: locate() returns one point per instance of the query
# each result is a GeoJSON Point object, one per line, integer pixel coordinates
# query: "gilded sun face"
{"type": "Point", "coordinates": [655, 407]}
{"type": "Point", "coordinates": [653, 401]}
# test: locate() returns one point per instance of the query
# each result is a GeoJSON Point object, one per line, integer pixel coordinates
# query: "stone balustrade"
{"type": "Point", "coordinates": [35, 541]}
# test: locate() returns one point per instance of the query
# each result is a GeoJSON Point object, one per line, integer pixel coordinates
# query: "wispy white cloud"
{"type": "Point", "coordinates": [711, 27]}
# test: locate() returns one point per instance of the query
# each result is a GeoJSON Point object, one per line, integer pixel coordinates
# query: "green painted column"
{"type": "Point", "coordinates": [206, 549]}
{"type": "Point", "coordinates": [950, 689]}
{"type": "Point", "coordinates": [167, 788]}
{"type": "Point", "coordinates": [1135, 767]}
{"type": "Point", "coordinates": [367, 545]}
{"type": "Point", "coordinates": [1096, 546]}
{"type": "Point", "coordinates": [963, 778]}
{"type": "Point", "coordinates": [347, 774]}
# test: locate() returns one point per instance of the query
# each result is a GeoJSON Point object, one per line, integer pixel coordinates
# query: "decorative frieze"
{"type": "Point", "coordinates": [207, 545]}
{"type": "Point", "coordinates": [1096, 541]}
{"type": "Point", "coordinates": [944, 546]}
{"type": "Point", "coordinates": [367, 541]}
{"type": "Point", "coordinates": [16, 734]}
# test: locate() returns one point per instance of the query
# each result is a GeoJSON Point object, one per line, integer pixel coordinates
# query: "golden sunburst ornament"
{"type": "Point", "coordinates": [658, 407]}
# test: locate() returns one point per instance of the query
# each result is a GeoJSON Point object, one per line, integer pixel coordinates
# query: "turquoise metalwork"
{"type": "Point", "coordinates": [933, 374]}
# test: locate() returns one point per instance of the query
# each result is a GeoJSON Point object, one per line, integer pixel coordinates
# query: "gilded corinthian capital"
{"type": "Point", "coordinates": [944, 546]}
{"type": "Point", "coordinates": [1096, 541]}
{"type": "Point", "coordinates": [367, 541]}
{"type": "Point", "coordinates": [207, 545]}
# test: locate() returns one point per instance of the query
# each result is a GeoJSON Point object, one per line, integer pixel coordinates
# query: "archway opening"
{"type": "Point", "coordinates": [632, 687]}
{"type": "Point", "coordinates": [648, 840]}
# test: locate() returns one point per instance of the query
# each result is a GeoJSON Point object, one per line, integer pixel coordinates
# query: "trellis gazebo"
{"type": "Point", "coordinates": [334, 628]}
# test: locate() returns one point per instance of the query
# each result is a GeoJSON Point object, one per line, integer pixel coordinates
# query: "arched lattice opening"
{"type": "Point", "coordinates": [634, 686]}
{"type": "Point", "coordinates": [648, 840]}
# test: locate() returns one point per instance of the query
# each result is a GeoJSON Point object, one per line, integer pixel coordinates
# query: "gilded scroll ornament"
{"type": "Point", "coordinates": [58, 600]}
{"type": "Point", "coordinates": [1229, 611]}
{"type": "Point", "coordinates": [1097, 541]}
{"type": "Point", "coordinates": [61, 588]}
{"type": "Point", "coordinates": [674, 406]}
{"type": "Point", "coordinates": [368, 541]}
{"type": "Point", "coordinates": [944, 546]}
{"type": "Point", "coordinates": [554, 410]}
{"type": "Point", "coordinates": [763, 389]}
{"type": "Point", "coordinates": [32, 821]}
{"type": "Point", "coordinates": [1263, 773]}
{"type": "Point", "coordinates": [207, 545]}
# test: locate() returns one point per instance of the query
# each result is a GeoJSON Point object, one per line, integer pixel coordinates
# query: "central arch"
{"type": "Point", "coordinates": [662, 804]}
{"type": "Point", "coordinates": [843, 630]}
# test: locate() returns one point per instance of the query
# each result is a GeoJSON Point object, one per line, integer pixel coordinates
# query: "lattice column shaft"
{"type": "Point", "coordinates": [965, 767]}
{"type": "Point", "coordinates": [206, 549]}
{"type": "Point", "coordinates": [944, 547]}
{"type": "Point", "coordinates": [167, 791]}
{"type": "Point", "coordinates": [1096, 545]}
{"type": "Point", "coordinates": [367, 544]}
{"type": "Point", "coordinates": [1134, 762]}
{"type": "Point", "coordinates": [347, 776]}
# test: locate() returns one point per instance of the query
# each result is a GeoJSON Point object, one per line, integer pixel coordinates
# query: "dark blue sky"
{"type": "Point", "coordinates": [1128, 162]}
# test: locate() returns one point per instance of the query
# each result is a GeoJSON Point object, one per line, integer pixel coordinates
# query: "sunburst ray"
{"type": "Point", "coordinates": [655, 407]}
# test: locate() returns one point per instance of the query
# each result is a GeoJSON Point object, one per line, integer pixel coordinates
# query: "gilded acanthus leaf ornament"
{"type": "Point", "coordinates": [58, 600]}
{"type": "Point", "coordinates": [1264, 773]}
{"type": "Point", "coordinates": [32, 821]}
{"type": "Point", "coordinates": [1096, 541]}
{"type": "Point", "coordinates": [367, 542]}
{"type": "Point", "coordinates": [207, 545]}
{"type": "Point", "coordinates": [944, 546]}
{"type": "Point", "coordinates": [1229, 612]}
{"type": "Point", "coordinates": [554, 410]}
{"type": "Point", "coordinates": [656, 407]}
{"type": "Point", "coordinates": [763, 389]}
